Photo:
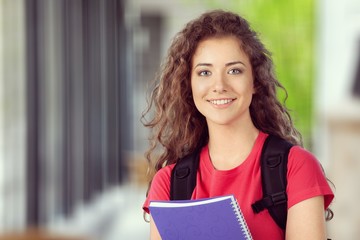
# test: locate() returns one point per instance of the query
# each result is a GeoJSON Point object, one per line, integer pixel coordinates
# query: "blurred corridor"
{"type": "Point", "coordinates": [74, 76]}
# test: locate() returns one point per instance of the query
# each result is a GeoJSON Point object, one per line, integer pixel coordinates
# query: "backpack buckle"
{"type": "Point", "coordinates": [278, 198]}
{"type": "Point", "coordinates": [269, 201]}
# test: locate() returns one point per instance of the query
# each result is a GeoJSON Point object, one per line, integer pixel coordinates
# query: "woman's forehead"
{"type": "Point", "coordinates": [226, 48]}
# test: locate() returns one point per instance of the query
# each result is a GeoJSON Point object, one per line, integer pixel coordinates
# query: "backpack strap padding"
{"type": "Point", "coordinates": [183, 177]}
{"type": "Point", "coordinates": [274, 179]}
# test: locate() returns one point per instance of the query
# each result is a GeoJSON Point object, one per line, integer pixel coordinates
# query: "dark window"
{"type": "Point", "coordinates": [77, 103]}
{"type": "Point", "coordinates": [356, 89]}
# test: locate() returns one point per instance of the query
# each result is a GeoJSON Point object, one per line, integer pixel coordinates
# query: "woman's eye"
{"type": "Point", "coordinates": [235, 71]}
{"type": "Point", "coordinates": [204, 73]}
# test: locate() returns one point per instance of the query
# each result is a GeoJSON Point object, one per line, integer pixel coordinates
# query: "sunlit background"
{"type": "Point", "coordinates": [74, 76]}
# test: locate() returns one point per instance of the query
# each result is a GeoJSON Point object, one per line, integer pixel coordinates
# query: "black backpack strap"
{"type": "Point", "coordinates": [274, 158]}
{"type": "Point", "coordinates": [183, 177]}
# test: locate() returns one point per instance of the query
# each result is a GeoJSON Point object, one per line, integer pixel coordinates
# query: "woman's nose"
{"type": "Point", "coordinates": [220, 84]}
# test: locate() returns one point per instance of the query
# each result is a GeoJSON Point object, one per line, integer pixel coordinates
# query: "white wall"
{"type": "Point", "coordinates": [338, 47]}
{"type": "Point", "coordinates": [337, 132]}
{"type": "Point", "coordinates": [12, 115]}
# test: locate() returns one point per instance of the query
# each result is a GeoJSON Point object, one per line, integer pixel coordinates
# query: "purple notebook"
{"type": "Point", "coordinates": [202, 219]}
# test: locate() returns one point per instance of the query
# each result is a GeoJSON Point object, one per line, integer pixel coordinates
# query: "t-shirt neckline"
{"type": "Point", "coordinates": [205, 157]}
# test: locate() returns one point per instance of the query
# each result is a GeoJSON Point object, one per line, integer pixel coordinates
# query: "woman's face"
{"type": "Point", "coordinates": [222, 81]}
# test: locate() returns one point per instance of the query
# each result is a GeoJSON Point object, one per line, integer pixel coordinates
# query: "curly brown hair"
{"type": "Point", "coordinates": [178, 127]}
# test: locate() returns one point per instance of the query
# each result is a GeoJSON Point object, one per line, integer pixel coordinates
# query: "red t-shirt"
{"type": "Point", "coordinates": [305, 180]}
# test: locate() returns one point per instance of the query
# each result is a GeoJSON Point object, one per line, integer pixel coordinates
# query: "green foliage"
{"type": "Point", "coordinates": [287, 30]}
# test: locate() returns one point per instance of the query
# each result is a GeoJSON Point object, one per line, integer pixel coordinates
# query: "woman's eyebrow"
{"type": "Point", "coordinates": [203, 64]}
{"type": "Point", "coordinates": [233, 63]}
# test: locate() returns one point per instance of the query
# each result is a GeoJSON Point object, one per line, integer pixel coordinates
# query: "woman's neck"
{"type": "Point", "coordinates": [229, 146]}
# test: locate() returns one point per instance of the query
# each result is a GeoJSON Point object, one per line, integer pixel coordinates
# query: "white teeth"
{"type": "Point", "coordinates": [221, 101]}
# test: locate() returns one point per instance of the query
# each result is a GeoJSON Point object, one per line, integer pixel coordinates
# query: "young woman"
{"type": "Point", "coordinates": [217, 91]}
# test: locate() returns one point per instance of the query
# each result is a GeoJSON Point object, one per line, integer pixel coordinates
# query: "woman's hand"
{"type": "Point", "coordinates": [154, 233]}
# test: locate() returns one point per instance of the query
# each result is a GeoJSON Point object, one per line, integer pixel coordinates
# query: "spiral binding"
{"type": "Point", "coordinates": [240, 218]}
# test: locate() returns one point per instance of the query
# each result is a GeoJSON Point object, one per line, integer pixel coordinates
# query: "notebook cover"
{"type": "Point", "coordinates": [204, 219]}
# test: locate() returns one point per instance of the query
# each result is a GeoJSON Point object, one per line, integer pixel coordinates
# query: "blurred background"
{"type": "Point", "coordinates": [74, 76]}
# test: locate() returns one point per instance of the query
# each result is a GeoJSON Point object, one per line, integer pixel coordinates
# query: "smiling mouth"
{"type": "Point", "coordinates": [221, 101]}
